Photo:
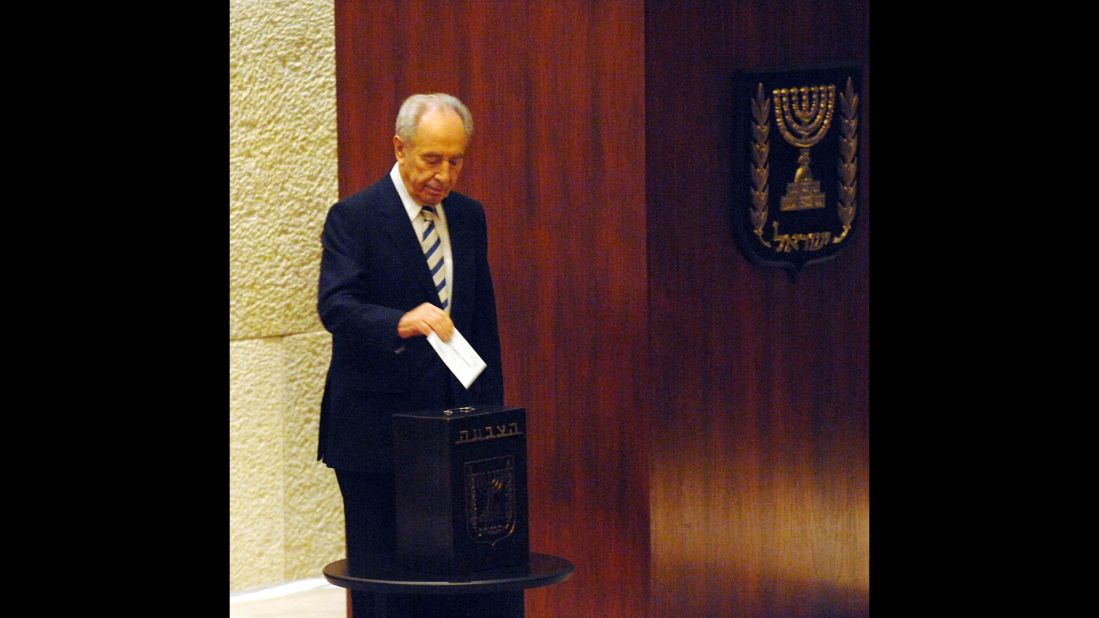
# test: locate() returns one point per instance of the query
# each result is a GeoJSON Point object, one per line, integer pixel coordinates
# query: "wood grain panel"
{"type": "Point", "coordinates": [557, 94]}
{"type": "Point", "coordinates": [760, 477]}
{"type": "Point", "coordinates": [680, 398]}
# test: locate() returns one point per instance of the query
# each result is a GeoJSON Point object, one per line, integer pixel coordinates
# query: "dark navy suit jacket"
{"type": "Point", "coordinates": [372, 272]}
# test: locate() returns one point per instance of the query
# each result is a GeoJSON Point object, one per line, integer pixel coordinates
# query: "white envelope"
{"type": "Point", "coordinates": [459, 356]}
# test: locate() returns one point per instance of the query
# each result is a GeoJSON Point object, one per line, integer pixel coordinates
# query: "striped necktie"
{"type": "Point", "coordinates": [433, 250]}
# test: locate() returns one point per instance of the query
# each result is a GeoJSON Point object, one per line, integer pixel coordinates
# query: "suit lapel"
{"type": "Point", "coordinates": [461, 249]}
{"type": "Point", "coordinates": [401, 232]}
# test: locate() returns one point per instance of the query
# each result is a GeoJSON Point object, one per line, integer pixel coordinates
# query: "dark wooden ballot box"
{"type": "Point", "coordinates": [461, 489]}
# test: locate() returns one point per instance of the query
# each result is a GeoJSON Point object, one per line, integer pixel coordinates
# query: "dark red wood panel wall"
{"type": "Point", "coordinates": [700, 425]}
{"type": "Point", "coordinates": [760, 437]}
{"type": "Point", "coordinates": [557, 94]}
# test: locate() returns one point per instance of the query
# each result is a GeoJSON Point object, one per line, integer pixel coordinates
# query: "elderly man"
{"type": "Point", "coordinates": [403, 258]}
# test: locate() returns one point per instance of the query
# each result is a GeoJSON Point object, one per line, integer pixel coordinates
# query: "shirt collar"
{"type": "Point", "coordinates": [410, 205]}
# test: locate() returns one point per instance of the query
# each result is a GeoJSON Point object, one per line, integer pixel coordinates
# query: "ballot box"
{"type": "Point", "coordinates": [461, 489]}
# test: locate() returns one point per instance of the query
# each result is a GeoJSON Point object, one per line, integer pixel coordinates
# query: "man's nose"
{"type": "Point", "coordinates": [444, 172]}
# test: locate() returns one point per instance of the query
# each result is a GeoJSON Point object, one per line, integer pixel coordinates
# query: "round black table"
{"type": "Point", "coordinates": [382, 575]}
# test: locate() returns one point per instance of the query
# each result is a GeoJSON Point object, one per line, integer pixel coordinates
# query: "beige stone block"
{"type": "Point", "coordinates": [282, 162]}
{"type": "Point", "coordinates": [256, 460]}
{"type": "Point", "coordinates": [314, 533]}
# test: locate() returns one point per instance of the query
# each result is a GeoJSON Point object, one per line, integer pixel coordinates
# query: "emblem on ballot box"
{"type": "Point", "coordinates": [490, 499]}
{"type": "Point", "coordinates": [795, 186]}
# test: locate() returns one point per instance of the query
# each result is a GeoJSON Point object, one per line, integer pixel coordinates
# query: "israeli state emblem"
{"type": "Point", "coordinates": [490, 499]}
{"type": "Point", "coordinates": [796, 165]}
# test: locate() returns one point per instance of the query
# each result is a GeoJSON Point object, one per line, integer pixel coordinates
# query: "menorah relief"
{"type": "Point", "coordinates": [803, 116]}
{"type": "Point", "coordinates": [816, 113]}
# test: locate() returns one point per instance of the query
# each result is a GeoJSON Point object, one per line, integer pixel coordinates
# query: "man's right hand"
{"type": "Point", "coordinates": [424, 319]}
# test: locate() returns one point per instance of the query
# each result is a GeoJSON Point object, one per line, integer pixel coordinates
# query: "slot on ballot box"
{"type": "Point", "coordinates": [461, 489]}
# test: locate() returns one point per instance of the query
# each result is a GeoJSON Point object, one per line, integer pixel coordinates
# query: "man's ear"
{"type": "Point", "coordinates": [398, 148]}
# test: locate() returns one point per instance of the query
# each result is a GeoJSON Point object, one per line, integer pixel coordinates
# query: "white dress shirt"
{"type": "Point", "coordinates": [413, 209]}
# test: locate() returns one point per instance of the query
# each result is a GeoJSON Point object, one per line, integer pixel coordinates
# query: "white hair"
{"type": "Point", "coordinates": [415, 106]}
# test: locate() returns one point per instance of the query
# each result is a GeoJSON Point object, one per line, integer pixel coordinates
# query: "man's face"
{"type": "Point", "coordinates": [432, 160]}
